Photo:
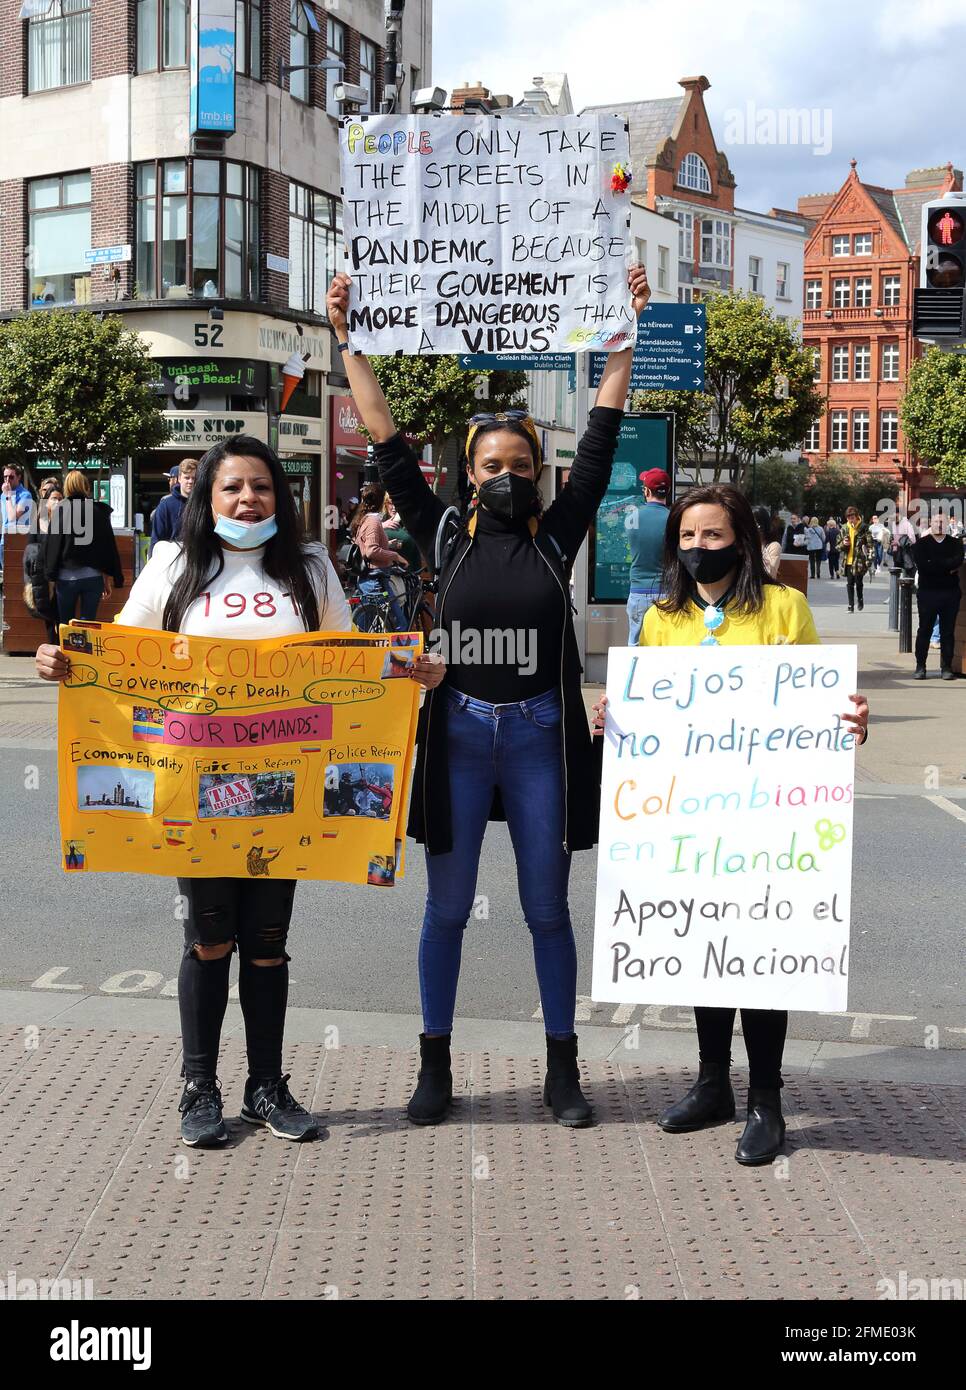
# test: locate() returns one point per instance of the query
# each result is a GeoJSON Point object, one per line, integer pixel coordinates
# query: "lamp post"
{"type": "Point", "coordinates": [286, 69]}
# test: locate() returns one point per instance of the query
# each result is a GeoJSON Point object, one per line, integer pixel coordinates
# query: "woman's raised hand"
{"type": "Point", "coordinates": [337, 302]}
{"type": "Point", "coordinates": [639, 288]}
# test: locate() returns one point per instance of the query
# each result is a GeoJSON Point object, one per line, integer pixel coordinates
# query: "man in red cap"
{"type": "Point", "coordinates": [646, 526]}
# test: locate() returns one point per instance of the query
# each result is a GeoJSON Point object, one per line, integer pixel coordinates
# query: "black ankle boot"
{"type": "Point", "coordinates": [709, 1101]}
{"type": "Point", "coordinates": [561, 1089]}
{"type": "Point", "coordinates": [764, 1131]}
{"type": "Point", "coordinates": [434, 1086]}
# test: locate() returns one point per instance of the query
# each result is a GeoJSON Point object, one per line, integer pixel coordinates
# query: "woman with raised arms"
{"type": "Point", "coordinates": [716, 589]}
{"type": "Point", "coordinates": [241, 569]}
{"type": "Point", "coordinates": [507, 739]}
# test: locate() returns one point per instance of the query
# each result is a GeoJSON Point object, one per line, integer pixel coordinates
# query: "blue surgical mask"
{"type": "Point", "coordinates": [247, 535]}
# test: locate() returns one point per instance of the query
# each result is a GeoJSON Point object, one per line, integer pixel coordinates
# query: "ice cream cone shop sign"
{"type": "Point", "coordinates": [292, 373]}
{"type": "Point", "coordinates": [212, 71]}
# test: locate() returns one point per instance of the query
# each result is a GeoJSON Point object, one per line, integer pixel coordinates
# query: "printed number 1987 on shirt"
{"type": "Point", "coordinates": [263, 604]}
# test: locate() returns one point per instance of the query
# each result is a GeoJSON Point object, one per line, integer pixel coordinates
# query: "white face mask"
{"type": "Point", "coordinates": [246, 535]}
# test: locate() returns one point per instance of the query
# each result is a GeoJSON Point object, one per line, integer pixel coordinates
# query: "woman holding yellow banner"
{"type": "Point", "coordinates": [507, 738]}
{"type": "Point", "coordinates": [241, 569]}
{"type": "Point", "coordinates": [717, 592]}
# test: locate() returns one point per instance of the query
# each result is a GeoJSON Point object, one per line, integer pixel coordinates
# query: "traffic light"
{"type": "Point", "coordinates": [943, 246]}
{"type": "Point", "coordinates": [939, 305]}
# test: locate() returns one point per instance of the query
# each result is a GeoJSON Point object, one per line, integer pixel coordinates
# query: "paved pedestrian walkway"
{"type": "Point", "coordinates": [496, 1203]}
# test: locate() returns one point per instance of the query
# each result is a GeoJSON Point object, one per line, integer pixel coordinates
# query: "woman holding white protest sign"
{"type": "Point", "coordinates": [716, 591]}
{"type": "Point", "coordinates": [507, 736]}
{"type": "Point", "coordinates": [241, 569]}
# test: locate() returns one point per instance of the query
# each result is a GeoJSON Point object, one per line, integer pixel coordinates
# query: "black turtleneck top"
{"type": "Point", "coordinates": [504, 616]}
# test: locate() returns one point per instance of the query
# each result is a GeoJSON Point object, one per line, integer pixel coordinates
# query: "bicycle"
{"type": "Point", "coordinates": [373, 612]}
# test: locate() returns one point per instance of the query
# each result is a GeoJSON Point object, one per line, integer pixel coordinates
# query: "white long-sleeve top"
{"type": "Point", "coordinates": [242, 601]}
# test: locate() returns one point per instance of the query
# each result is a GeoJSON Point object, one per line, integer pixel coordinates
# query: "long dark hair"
{"type": "Point", "coordinates": [678, 586]}
{"type": "Point", "coordinates": [285, 559]}
{"type": "Point", "coordinates": [372, 499]}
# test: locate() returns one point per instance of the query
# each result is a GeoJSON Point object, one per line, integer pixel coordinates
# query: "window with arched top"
{"type": "Point", "coordinates": [693, 173]}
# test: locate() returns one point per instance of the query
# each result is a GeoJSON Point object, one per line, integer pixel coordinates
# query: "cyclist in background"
{"type": "Point", "coordinates": [369, 535]}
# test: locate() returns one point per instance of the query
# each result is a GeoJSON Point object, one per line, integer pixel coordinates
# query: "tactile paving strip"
{"type": "Point", "coordinates": [497, 1203]}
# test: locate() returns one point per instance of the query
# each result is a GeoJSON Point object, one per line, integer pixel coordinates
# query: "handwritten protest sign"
{"type": "Point", "coordinates": [200, 757]}
{"type": "Point", "coordinates": [725, 853]}
{"type": "Point", "coordinates": [486, 234]}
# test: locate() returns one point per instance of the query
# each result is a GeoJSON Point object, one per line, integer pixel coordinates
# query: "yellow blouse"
{"type": "Point", "coordinates": [784, 617]}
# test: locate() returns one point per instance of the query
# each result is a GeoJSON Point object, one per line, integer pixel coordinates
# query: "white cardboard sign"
{"type": "Point", "coordinates": [725, 853]}
{"type": "Point", "coordinates": [486, 234]}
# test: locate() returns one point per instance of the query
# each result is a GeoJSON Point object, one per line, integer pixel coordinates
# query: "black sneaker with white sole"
{"type": "Point", "coordinates": [271, 1103]}
{"type": "Point", "coordinates": [202, 1123]}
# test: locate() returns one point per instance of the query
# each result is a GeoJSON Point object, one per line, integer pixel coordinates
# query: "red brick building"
{"type": "Point", "coordinates": [678, 170]}
{"type": "Point", "coordinates": [861, 266]}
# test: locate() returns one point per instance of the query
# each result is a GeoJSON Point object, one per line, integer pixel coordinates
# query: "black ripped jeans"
{"type": "Point", "coordinates": [254, 914]}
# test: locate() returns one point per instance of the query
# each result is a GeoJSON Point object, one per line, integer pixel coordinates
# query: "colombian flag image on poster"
{"type": "Point", "coordinates": [203, 758]}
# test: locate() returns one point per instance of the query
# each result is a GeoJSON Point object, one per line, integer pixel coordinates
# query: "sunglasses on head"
{"type": "Point", "coordinates": [516, 416]}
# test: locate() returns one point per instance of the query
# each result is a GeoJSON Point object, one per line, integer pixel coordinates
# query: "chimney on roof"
{"type": "Point", "coordinates": [943, 176]}
{"type": "Point", "coordinates": [474, 90]}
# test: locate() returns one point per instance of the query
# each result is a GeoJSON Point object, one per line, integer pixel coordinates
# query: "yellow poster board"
{"type": "Point", "coordinates": [203, 758]}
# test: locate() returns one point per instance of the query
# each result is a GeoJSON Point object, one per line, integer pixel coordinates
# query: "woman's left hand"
{"type": "Point", "coordinates": [639, 288]}
{"type": "Point", "coordinates": [858, 720]}
{"type": "Point", "coordinates": [429, 669]}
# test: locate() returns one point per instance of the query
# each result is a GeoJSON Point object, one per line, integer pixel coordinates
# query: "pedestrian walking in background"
{"type": "Point", "coordinates": [646, 536]}
{"type": "Point", "coordinates": [832, 547]}
{"type": "Point", "coordinates": [378, 555]}
{"type": "Point", "coordinates": [241, 539]}
{"type": "Point", "coordinates": [398, 537]}
{"type": "Point", "coordinates": [769, 528]}
{"type": "Point", "coordinates": [80, 556]}
{"type": "Point", "coordinates": [815, 546]}
{"type": "Point", "coordinates": [166, 519]}
{"type": "Point", "coordinates": [886, 543]}
{"type": "Point", "coordinates": [793, 540]}
{"type": "Point", "coordinates": [16, 504]}
{"type": "Point", "coordinates": [875, 531]}
{"type": "Point", "coordinates": [939, 558]}
{"type": "Point", "coordinates": [501, 739]}
{"type": "Point", "coordinates": [41, 602]}
{"type": "Point", "coordinates": [713, 564]}
{"type": "Point", "coordinates": [855, 552]}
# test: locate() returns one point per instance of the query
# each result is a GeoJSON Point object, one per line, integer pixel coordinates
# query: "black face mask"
{"type": "Point", "coordinates": [509, 496]}
{"type": "Point", "coordinates": [708, 566]}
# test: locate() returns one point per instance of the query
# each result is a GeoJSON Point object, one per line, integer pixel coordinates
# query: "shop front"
{"type": "Point", "coordinates": [221, 374]}
{"type": "Point", "coordinates": [348, 454]}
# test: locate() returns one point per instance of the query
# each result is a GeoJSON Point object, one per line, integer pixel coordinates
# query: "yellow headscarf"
{"type": "Point", "coordinates": [528, 426]}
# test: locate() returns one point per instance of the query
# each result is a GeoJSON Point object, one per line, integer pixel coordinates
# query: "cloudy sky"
{"type": "Point", "coordinates": [882, 77]}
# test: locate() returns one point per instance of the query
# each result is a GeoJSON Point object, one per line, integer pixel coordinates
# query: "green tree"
{"type": "Point", "coordinates": [693, 433]}
{"type": "Point", "coordinates": [432, 398]}
{"type": "Point", "coordinates": [749, 354]}
{"type": "Point", "coordinates": [73, 386]}
{"type": "Point", "coordinates": [776, 483]}
{"type": "Point", "coordinates": [933, 414]}
{"type": "Point", "coordinates": [842, 482]}
{"type": "Point", "coordinates": [834, 485]}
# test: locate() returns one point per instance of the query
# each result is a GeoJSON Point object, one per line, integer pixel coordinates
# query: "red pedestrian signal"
{"type": "Point", "coordinates": [939, 304]}
{"type": "Point", "coordinates": [943, 248]}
